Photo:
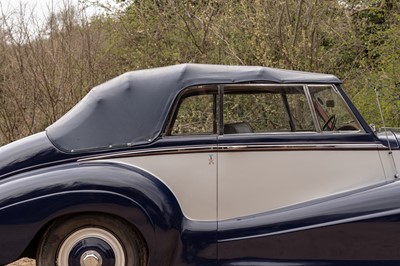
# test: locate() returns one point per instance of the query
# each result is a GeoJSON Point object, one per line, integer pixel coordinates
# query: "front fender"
{"type": "Point", "coordinates": [30, 200]}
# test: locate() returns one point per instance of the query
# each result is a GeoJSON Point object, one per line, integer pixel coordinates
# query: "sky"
{"type": "Point", "coordinates": [40, 8]}
{"type": "Point", "coordinates": [35, 12]}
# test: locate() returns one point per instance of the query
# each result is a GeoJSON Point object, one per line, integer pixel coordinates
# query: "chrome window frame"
{"type": "Point", "coordinates": [264, 85]}
{"type": "Point", "coordinates": [220, 91]}
{"type": "Point", "coordinates": [175, 108]}
{"type": "Point", "coordinates": [312, 107]}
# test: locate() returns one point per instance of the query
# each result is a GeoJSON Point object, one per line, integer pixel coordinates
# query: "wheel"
{"type": "Point", "coordinates": [91, 240]}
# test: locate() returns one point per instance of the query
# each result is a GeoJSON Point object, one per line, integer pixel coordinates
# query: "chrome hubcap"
{"type": "Point", "coordinates": [91, 258]}
{"type": "Point", "coordinates": [91, 246]}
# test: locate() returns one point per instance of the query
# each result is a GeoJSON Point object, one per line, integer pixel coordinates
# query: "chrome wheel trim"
{"type": "Point", "coordinates": [91, 232]}
{"type": "Point", "coordinates": [91, 258]}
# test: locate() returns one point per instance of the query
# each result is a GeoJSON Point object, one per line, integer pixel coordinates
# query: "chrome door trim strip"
{"type": "Point", "coordinates": [148, 152]}
{"type": "Point", "coordinates": [308, 227]}
{"type": "Point", "coordinates": [239, 148]}
{"type": "Point", "coordinates": [302, 147]}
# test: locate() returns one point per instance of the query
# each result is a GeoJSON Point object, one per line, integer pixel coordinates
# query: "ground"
{"type": "Point", "coordinates": [23, 262]}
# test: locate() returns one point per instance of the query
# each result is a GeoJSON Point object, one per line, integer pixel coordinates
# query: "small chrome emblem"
{"type": "Point", "coordinates": [211, 159]}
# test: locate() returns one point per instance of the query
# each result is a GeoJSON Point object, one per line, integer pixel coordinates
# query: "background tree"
{"type": "Point", "coordinates": [45, 68]}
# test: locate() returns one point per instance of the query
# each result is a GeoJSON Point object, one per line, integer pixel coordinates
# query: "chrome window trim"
{"type": "Point", "coordinates": [261, 85]}
{"type": "Point", "coordinates": [362, 129]}
{"type": "Point", "coordinates": [220, 110]}
{"type": "Point", "coordinates": [274, 133]}
{"type": "Point", "coordinates": [175, 106]}
{"type": "Point", "coordinates": [220, 92]}
{"type": "Point", "coordinates": [312, 107]}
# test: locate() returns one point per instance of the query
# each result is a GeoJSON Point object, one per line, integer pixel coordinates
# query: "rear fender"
{"type": "Point", "coordinates": [31, 200]}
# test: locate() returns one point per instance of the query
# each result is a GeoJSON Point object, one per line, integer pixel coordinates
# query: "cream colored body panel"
{"type": "Point", "coordinates": [255, 182]}
{"type": "Point", "coordinates": [241, 182]}
{"type": "Point", "coordinates": [191, 177]}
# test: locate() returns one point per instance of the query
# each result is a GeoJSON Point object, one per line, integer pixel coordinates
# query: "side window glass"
{"type": "Point", "coordinates": [332, 112]}
{"type": "Point", "coordinates": [266, 109]}
{"type": "Point", "coordinates": [196, 115]}
{"type": "Point", "coordinates": [257, 112]}
{"type": "Point", "coordinates": [300, 111]}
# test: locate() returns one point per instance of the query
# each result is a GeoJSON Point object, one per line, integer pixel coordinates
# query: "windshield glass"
{"type": "Point", "coordinates": [332, 112]}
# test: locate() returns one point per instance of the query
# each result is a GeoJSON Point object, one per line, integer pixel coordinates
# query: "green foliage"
{"type": "Point", "coordinates": [45, 70]}
{"type": "Point", "coordinates": [378, 34]}
{"type": "Point", "coordinates": [195, 116]}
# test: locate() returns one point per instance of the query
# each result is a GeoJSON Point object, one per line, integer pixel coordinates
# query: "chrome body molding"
{"type": "Point", "coordinates": [230, 148]}
{"type": "Point", "coordinates": [151, 151]}
{"type": "Point", "coordinates": [309, 227]}
{"type": "Point", "coordinates": [303, 147]}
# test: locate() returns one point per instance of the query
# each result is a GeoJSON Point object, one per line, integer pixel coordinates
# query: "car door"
{"type": "Point", "coordinates": [285, 147]}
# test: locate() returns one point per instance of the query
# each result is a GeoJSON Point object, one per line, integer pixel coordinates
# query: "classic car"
{"type": "Point", "coordinates": [204, 165]}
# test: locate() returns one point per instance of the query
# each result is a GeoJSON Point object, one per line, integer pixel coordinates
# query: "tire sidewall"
{"type": "Point", "coordinates": [62, 228]}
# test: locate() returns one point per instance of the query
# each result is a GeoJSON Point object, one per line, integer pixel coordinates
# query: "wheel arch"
{"type": "Point", "coordinates": [32, 248]}
{"type": "Point", "coordinates": [130, 195]}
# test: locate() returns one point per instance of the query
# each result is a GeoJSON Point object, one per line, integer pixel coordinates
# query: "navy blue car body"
{"type": "Point", "coordinates": [320, 190]}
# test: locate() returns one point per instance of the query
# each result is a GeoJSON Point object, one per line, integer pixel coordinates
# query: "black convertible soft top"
{"type": "Point", "coordinates": [130, 109]}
